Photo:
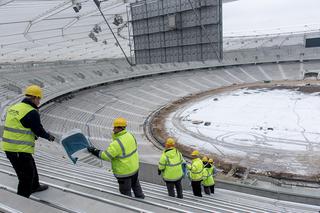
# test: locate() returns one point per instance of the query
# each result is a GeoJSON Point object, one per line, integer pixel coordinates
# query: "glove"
{"type": "Point", "coordinates": [159, 172]}
{"type": "Point", "coordinates": [93, 151]}
{"type": "Point", "coordinates": [51, 138]}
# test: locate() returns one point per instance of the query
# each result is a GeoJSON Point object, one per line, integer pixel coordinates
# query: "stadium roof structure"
{"type": "Point", "coordinates": [47, 30]}
{"type": "Point", "coordinates": [51, 30]}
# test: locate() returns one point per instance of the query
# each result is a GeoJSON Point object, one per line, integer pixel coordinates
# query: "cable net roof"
{"type": "Point", "coordinates": [49, 30]}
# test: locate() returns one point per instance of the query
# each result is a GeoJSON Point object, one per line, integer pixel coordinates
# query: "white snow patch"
{"type": "Point", "coordinates": [244, 122]}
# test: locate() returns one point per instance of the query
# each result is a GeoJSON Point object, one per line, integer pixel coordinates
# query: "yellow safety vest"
{"type": "Point", "coordinates": [123, 154]}
{"type": "Point", "coordinates": [208, 179]}
{"type": "Point", "coordinates": [17, 138]}
{"type": "Point", "coordinates": [196, 169]}
{"type": "Point", "coordinates": [170, 164]}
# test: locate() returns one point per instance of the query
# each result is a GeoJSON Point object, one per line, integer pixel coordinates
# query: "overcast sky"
{"type": "Point", "coordinates": [249, 15]}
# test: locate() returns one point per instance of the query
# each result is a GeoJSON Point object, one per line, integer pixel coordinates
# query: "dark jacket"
{"type": "Point", "coordinates": [32, 121]}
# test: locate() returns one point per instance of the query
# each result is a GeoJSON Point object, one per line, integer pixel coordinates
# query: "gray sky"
{"type": "Point", "coordinates": [249, 15]}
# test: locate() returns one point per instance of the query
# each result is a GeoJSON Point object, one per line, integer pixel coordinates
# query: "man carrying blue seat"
{"type": "Point", "coordinates": [123, 154]}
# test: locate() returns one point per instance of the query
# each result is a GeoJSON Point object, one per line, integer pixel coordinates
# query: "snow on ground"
{"type": "Point", "coordinates": [271, 129]}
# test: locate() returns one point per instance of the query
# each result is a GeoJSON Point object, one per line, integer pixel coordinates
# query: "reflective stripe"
{"type": "Point", "coordinates": [26, 132]}
{"type": "Point", "coordinates": [124, 151]}
{"type": "Point", "coordinates": [18, 142]}
{"type": "Point", "coordinates": [121, 146]}
{"type": "Point", "coordinates": [107, 153]}
{"type": "Point", "coordinates": [176, 164]}
{"type": "Point", "coordinates": [197, 172]}
{"type": "Point", "coordinates": [134, 139]}
{"type": "Point", "coordinates": [126, 156]}
{"type": "Point", "coordinates": [168, 161]}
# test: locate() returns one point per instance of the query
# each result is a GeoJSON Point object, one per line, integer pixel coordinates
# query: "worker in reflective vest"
{"type": "Point", "coordinates": [170, 166]}
{"type": "Point", "coordinates": [212, 171]}
{"type": "Point", "coordinates": [208, 180]}
{"type": "Point", "coordinates": [195, 173]}
{"type": "Point", "coordinates": [123, 154]}
{"type": "Point", "coordinates": [22, 127]}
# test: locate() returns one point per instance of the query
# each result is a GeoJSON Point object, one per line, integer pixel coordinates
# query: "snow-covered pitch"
{"type": "Point", "coordinates": [263, 129]}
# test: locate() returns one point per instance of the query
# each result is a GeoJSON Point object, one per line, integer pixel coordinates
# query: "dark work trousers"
{"type": "Point", "coordinates": [128, 183]}
{"type": "Point", "coordinates": [170, 187]}
{"type": "Point", "coordinates": [26, 170]}
{"type": "Point", "coordinates": [206, 189]}
{"type": "Point", "coordinates": [212, 189]}
{"type": "Point", "coordinates": [196, 188]}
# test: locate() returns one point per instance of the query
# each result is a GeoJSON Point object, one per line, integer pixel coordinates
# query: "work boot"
{"type": "Point", "coordinates": [140, 196]}
{"type": "Point", "coordinates": [40, 188]}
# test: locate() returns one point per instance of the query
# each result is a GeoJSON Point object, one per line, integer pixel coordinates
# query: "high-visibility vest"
{"type": "Point", "coordinates": [123, 154]}
{"type": "Point", "coordinates": [170, 164]}
{"type": "Point", "coordinates": [208, 179]}
{"type": "Point", "coordinates": [196, 169]}
{"type": "Point", "coordinates": [17, 138]}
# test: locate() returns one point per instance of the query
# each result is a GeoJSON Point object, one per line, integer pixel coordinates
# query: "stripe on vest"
{"type": "Point", "coordinates": [197, 172]}
{"type": "Point", "coordinates": [168, 161]}
{"type": "Point", "coordinates": [123, 150]}
{"type": "Point", "coordinates": [176, 164]}
{"type": "Point", "coordinates": [121, 146]}
{"type": "Point", "coordinates": [126, 156]}
{"type": "Point", "coordinates": [28, 143]}
{"type": "Point", "coordinates": [26, 132]}
{"type": "Point", "coordinates": [107, 153]}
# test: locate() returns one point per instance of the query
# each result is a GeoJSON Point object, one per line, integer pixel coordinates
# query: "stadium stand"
{"type": "Point", "coordinates": [87, 189]}
{"type": "Point", "coordinates": [112, 89]}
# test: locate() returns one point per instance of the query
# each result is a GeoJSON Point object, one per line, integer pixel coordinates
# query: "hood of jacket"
{"type": "Point", "coordinates": [171, 153]}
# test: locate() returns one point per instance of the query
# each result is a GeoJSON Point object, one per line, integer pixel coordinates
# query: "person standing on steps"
{"type": "Point", "coordinates": [170, 166]}
{"type": "Point", "coordinates": [212, 171]}
{"type": "Point", "coordinates": [195, 173]}
{"type": "Point", "coordinates": [21, 129]}
{"type": "Point", "coordinates": [208, 180]}
{"type": "Point", "coordinates": [123, 154]}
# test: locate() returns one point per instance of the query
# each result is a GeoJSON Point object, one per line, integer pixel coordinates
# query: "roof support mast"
{"type": "Point", "coordinates": [97, 2]}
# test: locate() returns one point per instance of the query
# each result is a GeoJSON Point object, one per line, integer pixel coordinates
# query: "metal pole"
{"type": "Point", "coordinates": [97, 2]}
{"type": "Point", "coordinates": [129, 33]}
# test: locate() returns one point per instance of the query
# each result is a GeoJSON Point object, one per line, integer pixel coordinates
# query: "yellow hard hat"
{"type": "Point", "coordinates": [119, 122]}
{"type": "Point", "coordinates": [195, 153]}
{"type": "Point", "coordinates": [204, 159]}
{"type": "Point", "coordinates": [210, 160]}
{"type": "Point", "coordinates": [33, 90]}
{"type": "Point", "coordinates": [170, 142]}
